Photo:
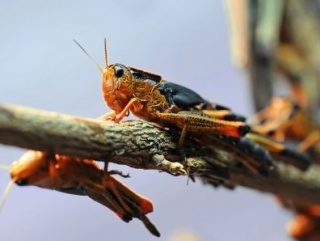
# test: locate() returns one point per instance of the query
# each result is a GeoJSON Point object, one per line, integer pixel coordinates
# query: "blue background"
{"type": "Point", "coordinates": [187, 42]}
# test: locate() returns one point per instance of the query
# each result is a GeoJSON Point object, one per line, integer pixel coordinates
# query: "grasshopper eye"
{"type": "Point", "coordinates": [21, 182]}
{"type": "Point", "coordinates": [118, 71]}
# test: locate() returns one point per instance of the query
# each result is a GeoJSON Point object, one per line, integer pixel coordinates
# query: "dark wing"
{"type": "Point", "coordinates": [142, 75]}
{"type": "Point", "coordinates": [181, 96]}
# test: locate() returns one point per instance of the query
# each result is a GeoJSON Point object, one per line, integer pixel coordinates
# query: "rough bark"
{"type": "Point", "coordinates": [215, 160]}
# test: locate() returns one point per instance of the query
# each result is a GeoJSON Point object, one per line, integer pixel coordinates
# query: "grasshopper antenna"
{"type": "Point", "coordinates": [89, 56]}
{"type": "Point", "coordinates": [7, 189]}
{"type": "Point", "coordinates": [105, 53]}
{"type": "Point", "coordinates": [4, 167]}
{"type": "Point", "coordinates": [6, 193]}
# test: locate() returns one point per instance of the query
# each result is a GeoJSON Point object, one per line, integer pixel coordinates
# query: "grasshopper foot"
{"type": "Point", "coordinates": [171, 167]}
{"type": "Point", "coordinates": [120, 173]}
{"type": "Point", "coordinates": [107, 117]}
{"type": "Point", "coordinates": [174, 167]}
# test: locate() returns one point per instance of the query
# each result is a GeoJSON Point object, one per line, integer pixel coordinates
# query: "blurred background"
{"type": "Point", "coordinates": [188, 43]}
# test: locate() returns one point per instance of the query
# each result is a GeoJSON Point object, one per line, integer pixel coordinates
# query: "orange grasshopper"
{"type": "Point", "coordinates": [284, 120]}
{"type": "Point", "coordinates": [81, 177]}
{"type": "Point", "coordinates": [148, 96]}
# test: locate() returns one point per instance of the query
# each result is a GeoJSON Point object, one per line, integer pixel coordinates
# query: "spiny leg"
{"type": "Point", "coordinates": [183, 135]}
{"type": "Point", "coordinates": [287, 155]}
{"type": "Point", "coordinates": [198, 123]}
{"type": "Point", "coordinates": [109, 185]}
{"type": "Point", "coordinates": [138, 205]}
{"type": "Point", "coordinates": [150, 226]}
{"type": "Point", "coordinates": [99, 195]}
{"type": "Point", "coordinates": [267, 143]}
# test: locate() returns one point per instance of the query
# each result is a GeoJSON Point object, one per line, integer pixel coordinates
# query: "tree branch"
{"type": "Point", "coordinates": [142, 145]}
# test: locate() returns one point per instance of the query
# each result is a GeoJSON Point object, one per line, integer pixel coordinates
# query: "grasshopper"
{"type": "Point", "coordinates": [81, 177]}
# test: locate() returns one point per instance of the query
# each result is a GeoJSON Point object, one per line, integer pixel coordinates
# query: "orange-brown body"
{"type": "Point", "coordinates": [124, 92]}
{"type": "Point", "coordinates": [126, 89]}
{"type": "Point", "coordinates": [84, 177]}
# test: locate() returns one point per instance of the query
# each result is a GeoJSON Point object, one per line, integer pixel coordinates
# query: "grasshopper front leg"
{"type": "Point", "coordinates": [118, 116]}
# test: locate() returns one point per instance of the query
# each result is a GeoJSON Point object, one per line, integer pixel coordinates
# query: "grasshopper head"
{"type": "Point", "coordinates": [117, 82]}
{"type": "Point", "coordinates": [29, 169]}
{"type": "Point", "coordinates": [117, 86]}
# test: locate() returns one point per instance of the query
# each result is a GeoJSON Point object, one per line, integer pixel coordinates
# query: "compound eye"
{"type": "Point", "coordinates": [118, 71]}
{"type": "Point", "coordinates": [22, 182]}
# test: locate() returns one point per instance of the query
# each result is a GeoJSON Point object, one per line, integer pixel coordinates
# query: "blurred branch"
{"type": "Point", "coordinates": [255, 26]}
{"type": "Point", "coordinates": [142, 145]}
{"type": "Point", "coordinates": [278, 38]}
{"type": "Point", "coordinates": [264, 24]}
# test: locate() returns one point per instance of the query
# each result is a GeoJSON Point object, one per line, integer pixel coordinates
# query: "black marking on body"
{"type": "Point", "coordinates": [144, 75]}
{"type": "Point", "coordinates": [181, 96]}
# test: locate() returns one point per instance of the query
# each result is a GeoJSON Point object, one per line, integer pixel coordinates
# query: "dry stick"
{"type": "Point", "coordinates": [142, 145]}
